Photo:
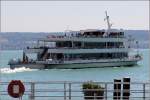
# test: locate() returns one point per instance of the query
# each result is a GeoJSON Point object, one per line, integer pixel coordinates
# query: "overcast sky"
{"type": "Point", "coordinates": [53, 16]}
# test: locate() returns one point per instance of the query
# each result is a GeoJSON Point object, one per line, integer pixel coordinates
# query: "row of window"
{"type": "Point", "coordinates": [87, 56]}
{"type": "Point", "coordinates": [90, 45]}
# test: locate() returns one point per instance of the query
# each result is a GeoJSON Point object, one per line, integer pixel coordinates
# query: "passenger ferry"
{"type": "Point", "coordinates": [80, 49]}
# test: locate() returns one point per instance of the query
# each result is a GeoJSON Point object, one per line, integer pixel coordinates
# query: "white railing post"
{"type": "Point", "coordinates": [32, 97]}
{"type": "Point", "coordinates": [143, 91]}
{"type": "Point", "coordinates": [69, 91]}
{"type": "Point", "coordinates": [105, 91]}
{"type": "Point", "coordinates": [64, 91]}
{"type": "Point", "coordinates": [95, 96]}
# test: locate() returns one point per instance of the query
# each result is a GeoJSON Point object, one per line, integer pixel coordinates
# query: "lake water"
{"type": "Point", "coordinates": [138, 73]}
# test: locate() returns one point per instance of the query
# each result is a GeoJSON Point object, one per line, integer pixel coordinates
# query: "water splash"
{"type": "Point", "coordinates": [8, 70]}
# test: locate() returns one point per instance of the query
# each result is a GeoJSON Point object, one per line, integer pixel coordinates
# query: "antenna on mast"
{"type": "Point", "coordinates": [67, 28]}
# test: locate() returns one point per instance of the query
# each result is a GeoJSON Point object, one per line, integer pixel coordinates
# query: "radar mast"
{"type": "Point", "coordinates": [108, 22]}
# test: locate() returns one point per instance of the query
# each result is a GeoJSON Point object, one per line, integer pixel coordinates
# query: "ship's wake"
{"type": "Point", "coordinates": [8, 70]}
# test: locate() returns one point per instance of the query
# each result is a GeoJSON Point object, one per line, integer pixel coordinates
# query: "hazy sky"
{"type": "Point", "coordinates": [50, 16]}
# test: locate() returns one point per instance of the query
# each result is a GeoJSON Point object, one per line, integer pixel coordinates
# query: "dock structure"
{"type": "Point", "coordinates": [69, 90]}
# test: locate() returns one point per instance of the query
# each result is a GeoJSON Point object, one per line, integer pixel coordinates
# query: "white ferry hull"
{"type": "Point", "coordinates": [31, 66]}
{"type": "Point", "coordinates": [76, 65]}
{"type": "Point", "coordinates": [94, 65]}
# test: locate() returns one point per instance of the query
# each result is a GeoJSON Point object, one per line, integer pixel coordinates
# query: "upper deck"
{"type": "Point", "coordinates": [82, 39]}
{"type": "Point", "coordinates": [90, 35]}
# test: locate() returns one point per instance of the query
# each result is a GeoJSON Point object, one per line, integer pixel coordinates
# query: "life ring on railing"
{"type": "Point", "coordinates": [16, 89]}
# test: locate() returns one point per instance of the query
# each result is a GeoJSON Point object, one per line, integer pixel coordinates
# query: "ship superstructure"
{"type": "Point", "coordinates": [80, 49]}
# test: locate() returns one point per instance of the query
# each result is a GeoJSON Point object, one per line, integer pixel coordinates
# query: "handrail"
{"type": "Point", "coordinates": [69, 90]}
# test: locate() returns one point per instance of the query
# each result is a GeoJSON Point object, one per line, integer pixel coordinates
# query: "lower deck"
{"type": "Point", "coordinates": [72, 64]}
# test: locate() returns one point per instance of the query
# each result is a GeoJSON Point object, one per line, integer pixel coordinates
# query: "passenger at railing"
{"type": "Point", "coordinates": [65, 35]}
{"type": "Point", "coordinates": [27, 47]}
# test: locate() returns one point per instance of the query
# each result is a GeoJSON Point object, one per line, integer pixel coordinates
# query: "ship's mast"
{"type": "Point", "coordinates": [108, 22]}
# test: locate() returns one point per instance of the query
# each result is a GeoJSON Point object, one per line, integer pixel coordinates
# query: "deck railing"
{"type": "Point", "coordinates": [66, 90]}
